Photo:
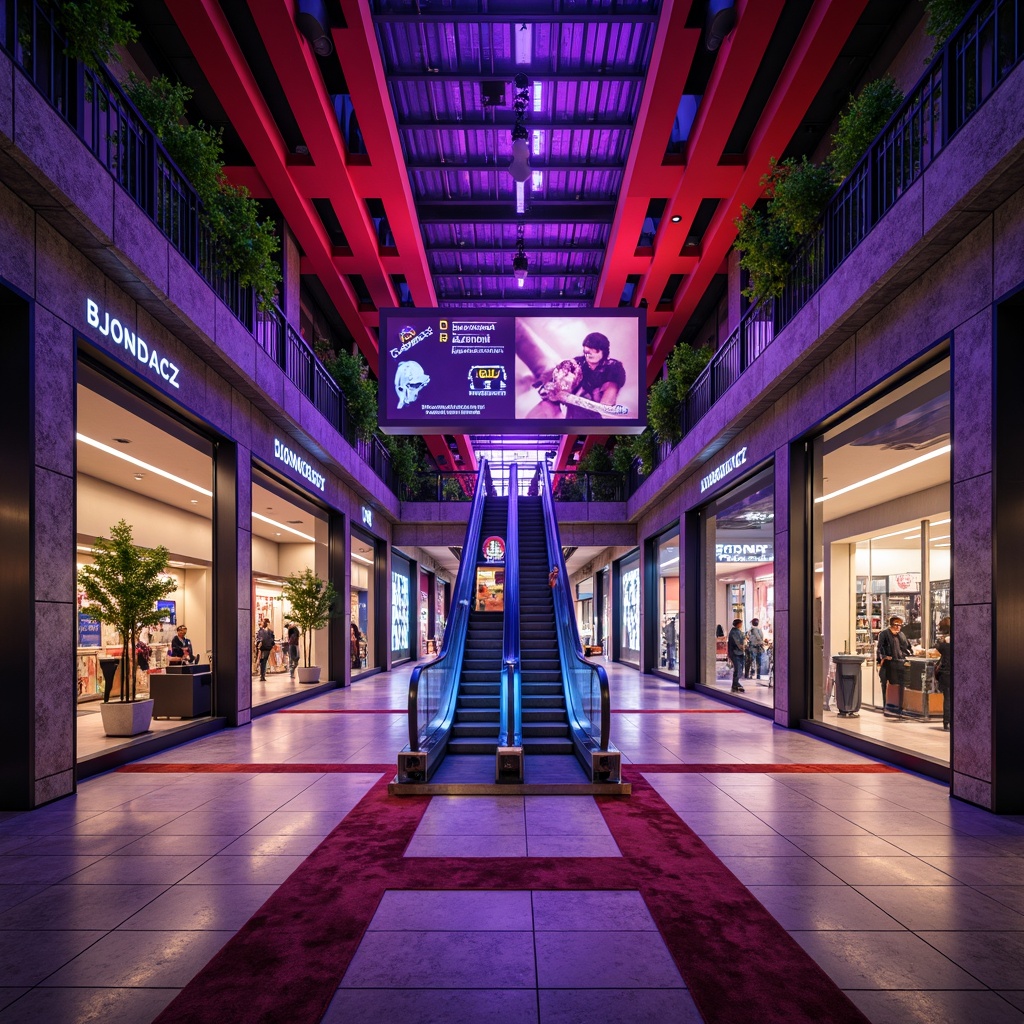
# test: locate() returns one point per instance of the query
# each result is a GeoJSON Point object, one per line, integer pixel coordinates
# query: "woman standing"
{"type": "Point", "coordinates": [265, 642]}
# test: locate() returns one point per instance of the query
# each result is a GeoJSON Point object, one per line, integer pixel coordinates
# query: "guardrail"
{"type": "Point", "coordinates": [977, 57]}
{"type": "Point", "coordinates": [99, 112]}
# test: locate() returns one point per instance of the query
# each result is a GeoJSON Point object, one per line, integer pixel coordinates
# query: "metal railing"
{"type": "Point", "coordinates": [585, 685]}
{"type": "Point", "coordinates": [97, 109]}
{"type": "Point", "coordinates": [987, 45]}
{"type": "Point", "coordinates": [456, 486]}
{"type": "Point", "coordinates": [433, 686]}
{"type": "Point", "coordinates": [576, 485]}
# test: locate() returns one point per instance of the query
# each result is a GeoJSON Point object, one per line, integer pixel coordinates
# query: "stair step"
{"type": "Point", "coordinates": [479, 702]}
{"type": "Point", "coordinates": [488, 730]}
{"type": "Point", "coordinates": [532, 703]}
{"type": "Point", "coordinates": [474, 745]}
{"type": "Point", "coordinates": [492, 715]}
{"type": "Point", "coordinates": [547, 745]}
{"type": "Point", "coordinates": [547, 715]}
{"type": "Point", "coordinates": [546, 730]}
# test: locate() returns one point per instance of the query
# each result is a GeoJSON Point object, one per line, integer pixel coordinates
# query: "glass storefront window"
{"type": "Point", "coordinates": [401, 608]}
{"type": "Point", "coordinates": [667, 554]}
{"type": "Point", "coordinates": [629, 602]}
{"type": "Point", "coordinates": [137, 463]}
{"type": "Point", "coordinates": [362, 604]}
{"type": "Point", "coordinates": [882, 530]}
{"type": "Point", "coordinates": [289, 534]}
{"type": "Point", "coordinates": [585, 610]}
{"type": "Point", "coordinates": [738, 562]}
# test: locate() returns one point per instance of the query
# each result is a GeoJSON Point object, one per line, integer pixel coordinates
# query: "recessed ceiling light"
{"type": "Point", "coordinates": [676, 218]}
{"type": "Point", "coordinates": [193, 501]}
{"type": "Point", "coordinates": [278, 533]}
{"type": "Point", "coordinates": [140, 476]}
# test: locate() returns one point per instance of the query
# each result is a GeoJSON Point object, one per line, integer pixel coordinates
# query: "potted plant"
{"type": "Point", "coordinates": [312, 602]}
{"type": "Point", "coordinates": [123, 586]}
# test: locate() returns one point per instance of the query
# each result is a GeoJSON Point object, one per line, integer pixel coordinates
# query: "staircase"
{"type": "Point", "coordinates": [477, 709]}
{"type": "Point", "coordinates": [545, 722]}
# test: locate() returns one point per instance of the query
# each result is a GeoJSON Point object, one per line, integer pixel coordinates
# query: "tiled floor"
{"type": "Point", "coordinates": [111, 900]}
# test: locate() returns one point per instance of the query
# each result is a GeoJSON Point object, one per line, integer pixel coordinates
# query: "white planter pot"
{"type": "Point", "coordinates": [126, 718]}
{"type": "Point", "coordinates": [309, 675]}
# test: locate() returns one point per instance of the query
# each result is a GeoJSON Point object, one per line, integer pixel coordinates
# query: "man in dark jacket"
{"type": "Point", "coordinates": [893, 650]}
{"type": "Point", "coordinates": [737, 647]}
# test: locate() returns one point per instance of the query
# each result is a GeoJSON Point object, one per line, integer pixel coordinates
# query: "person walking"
{"type": "Point", "coordinates": [736, 651]}
{"type": "Point", "coordinates": [293, 650]}
{"type": "Point", "coordinates": [755, 645]}
{"type": "Point", "coordinates": [265, 642]}
{"type": "Point", "coordinates": [944, 671]}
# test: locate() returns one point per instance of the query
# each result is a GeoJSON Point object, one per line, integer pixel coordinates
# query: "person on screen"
{"type": "Point", "coordinates": [597, 378]}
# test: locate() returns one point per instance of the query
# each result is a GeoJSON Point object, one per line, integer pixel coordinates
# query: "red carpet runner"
{"type": "Point", "coordinates": [286, 962]}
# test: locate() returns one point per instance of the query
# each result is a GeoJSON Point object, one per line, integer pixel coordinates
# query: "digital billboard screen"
{"type": "Point", "coordinates": [445, 371]}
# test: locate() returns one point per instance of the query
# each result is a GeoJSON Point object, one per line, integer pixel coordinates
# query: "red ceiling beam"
{"type": "Point", "coordinates": [819, 44]}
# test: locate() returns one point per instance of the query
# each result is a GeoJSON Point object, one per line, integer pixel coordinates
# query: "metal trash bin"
{"type": "Point", "coordinates": [848, 683]}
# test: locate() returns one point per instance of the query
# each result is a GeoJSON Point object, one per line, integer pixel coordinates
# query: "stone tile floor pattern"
{"type": "Point", "coordinates": [111, 900]}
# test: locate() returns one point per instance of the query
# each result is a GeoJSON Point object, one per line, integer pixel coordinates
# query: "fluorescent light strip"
{"type": "Point", "coordinates": [142, 465]}
{"type": "Point", "coordinates": [944, 450]}
{"type": "Point", "coordinates": [359, 558]}
{"type": "Point", "coordinates": [520, 197]}
{"type": "Point", "coordinates": [281, 526]}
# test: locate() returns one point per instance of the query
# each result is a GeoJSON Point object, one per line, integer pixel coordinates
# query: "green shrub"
{"type": "Point", "coordinates": [943, 17]}
{"type": "Point", "coordinates": [353, 376]}
{"type": "Point", "coordinates": [859, 124]}
{"type": "Point", "coordinates": [665, 397]}
{"type": "Point", "coordinates": [93, 28]}
{"type": "Point", "coordinates": [243, 243]}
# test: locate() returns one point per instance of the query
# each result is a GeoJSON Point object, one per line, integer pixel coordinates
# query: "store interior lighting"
{"type": "Point", "coordinates": [142, 465]}
{"type": "Point", "coordinates": [281, 526]}
{"type": "Point", "coordinates": [944, 450]}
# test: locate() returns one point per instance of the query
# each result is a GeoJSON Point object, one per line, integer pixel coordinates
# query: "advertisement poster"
{"type": "Point", "coordinates": [443, 371]}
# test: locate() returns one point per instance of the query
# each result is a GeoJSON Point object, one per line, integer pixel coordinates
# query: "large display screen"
{"type": "Point", "coordinates": [456, 372]}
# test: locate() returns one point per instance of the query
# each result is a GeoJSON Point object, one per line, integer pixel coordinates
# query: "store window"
{"type": "Point", "coordinates": [362, 601]}
{"type": "Point", "coordinates": [629, 603]}
{"type": "Point", "coordinates": [289, 535]}
{"type": "Point", "coordinates": [666, 550]}
{"type": "Point", "coordinates": [401, 608]}
{"type": "Point", "coordinates": [136, 462]}
{"type": "Point", "coordinates": [738, 561]}
{"type": "Point", "coordinates": [585, 611]}
{"type": "Point", "coordinates": [882, 535]}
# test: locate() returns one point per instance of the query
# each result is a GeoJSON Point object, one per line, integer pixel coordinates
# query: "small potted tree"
{"type": "Point", "coordinates": [123, 586]}
{"type": "Point", "coordinates": [312, 602]}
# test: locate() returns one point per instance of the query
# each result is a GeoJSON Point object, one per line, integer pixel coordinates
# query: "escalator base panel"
{"type": "Point", "coordinates": [396, 788]}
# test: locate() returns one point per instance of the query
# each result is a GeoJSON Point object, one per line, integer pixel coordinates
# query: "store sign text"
{"type": "Point", "coordinates": [295, 461]}
{"type": "Point", "coordinates": [744, 552]}
{"type": "Point", "coordinates": [133, 344]}
{"type": "Point", "coordinates": [723, 470]}
{"type": "Point", "coordinates": [367, 514]}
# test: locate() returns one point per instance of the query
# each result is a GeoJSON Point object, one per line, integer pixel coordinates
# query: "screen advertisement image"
{"type": "Point", "coordinates": [450, 371]}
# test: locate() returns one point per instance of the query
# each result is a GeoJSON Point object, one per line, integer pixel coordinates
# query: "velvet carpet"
{"type": "Point", "coordinates": [286, 962]}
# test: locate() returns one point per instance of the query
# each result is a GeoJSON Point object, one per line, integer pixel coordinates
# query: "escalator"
{"type": "Point", "coordinates": [545, 722]}
{"type": "Point", "coordinates": [477, 709]}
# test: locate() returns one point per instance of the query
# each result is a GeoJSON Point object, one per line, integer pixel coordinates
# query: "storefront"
{"type": "Point", "coordinates": [628, 573]}
{"type": "Point", "coordinates": [881, 542]}
{"type": "Point", "coordinates": [140, 462]}
{"type": "Point", "coordinates": [289, 535]}
{"type": "Point", "coordinates": [665, 606]}
{"type": "Point", "coordinates": [402, 609]}
{"type": "Point", "coordinates": [737, 565]}
{"type": "Point", "coordinates": [362, 605]}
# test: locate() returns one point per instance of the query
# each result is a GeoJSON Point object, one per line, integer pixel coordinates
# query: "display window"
{"type": "Point", "coordinates": [738, 567]}
{"type": "Point", "coordinates": [362, 602]}
{"type": "Point", "coordinates": [401, 608]}
{"type": "Point", "coordinates": [585, 612]}
{"type": "Point", "coordinates": [289, 535]}
{"type": "Point", "coordinates": [881, 539]}
{"type": "Point", "coordinates": [629, 604]}
{"type": "Point", "coordinates": [140, 463]}
{"type": "Point", "coordinates": [666, 548]}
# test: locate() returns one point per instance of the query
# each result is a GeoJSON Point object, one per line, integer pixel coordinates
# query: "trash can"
{"type": "Point", "coordinates": [848, 683]}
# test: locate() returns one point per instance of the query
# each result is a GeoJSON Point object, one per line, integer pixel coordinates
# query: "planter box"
{"type": "Point", "coordinates": [309, 675]}
{"type": "Point", "coordinates": [126, 718]}
{"type": "Point", "coordinates": [182, 694]}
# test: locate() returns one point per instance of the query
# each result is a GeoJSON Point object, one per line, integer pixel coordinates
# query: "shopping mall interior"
{"type": "Point", "coordinates": [511, 473]}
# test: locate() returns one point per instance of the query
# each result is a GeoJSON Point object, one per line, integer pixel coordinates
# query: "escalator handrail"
{"type": "Point", "coordinates": [453, 641]}
{"type": "Point", "coordinates": [510, 731]}
{"type": "Point", "coordinates": [570, 648]}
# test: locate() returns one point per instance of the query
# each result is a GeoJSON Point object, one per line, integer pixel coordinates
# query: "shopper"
{"type": "Point", "coordinates": [356, 641]}
{"type": "Point", "coordinates": [293, 650]}
{"type": "Point", "coordinates": [181, 648]}
{"type": "Point", "coordinates": [265, 642]}
{"type": "Point", "coordinates": [755, 647]}
{"type": "Point", "coordinates": [944, 671]}
{"type": "Point", "coordinates": [736, 651]}
{"type": "Point", "coordinates": [893, 650]}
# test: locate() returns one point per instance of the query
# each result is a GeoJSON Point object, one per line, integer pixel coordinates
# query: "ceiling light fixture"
{"type": "Point", "coordinates": [520, 166]}
{"type": "Point", "coordinates": [520, 264]}
{"type": "Point", "coordinates": [142, 465]}
{"type": "Point", "coordinates": [287, 529]}
{"type": "Point", "coordinates": [944, 450]}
